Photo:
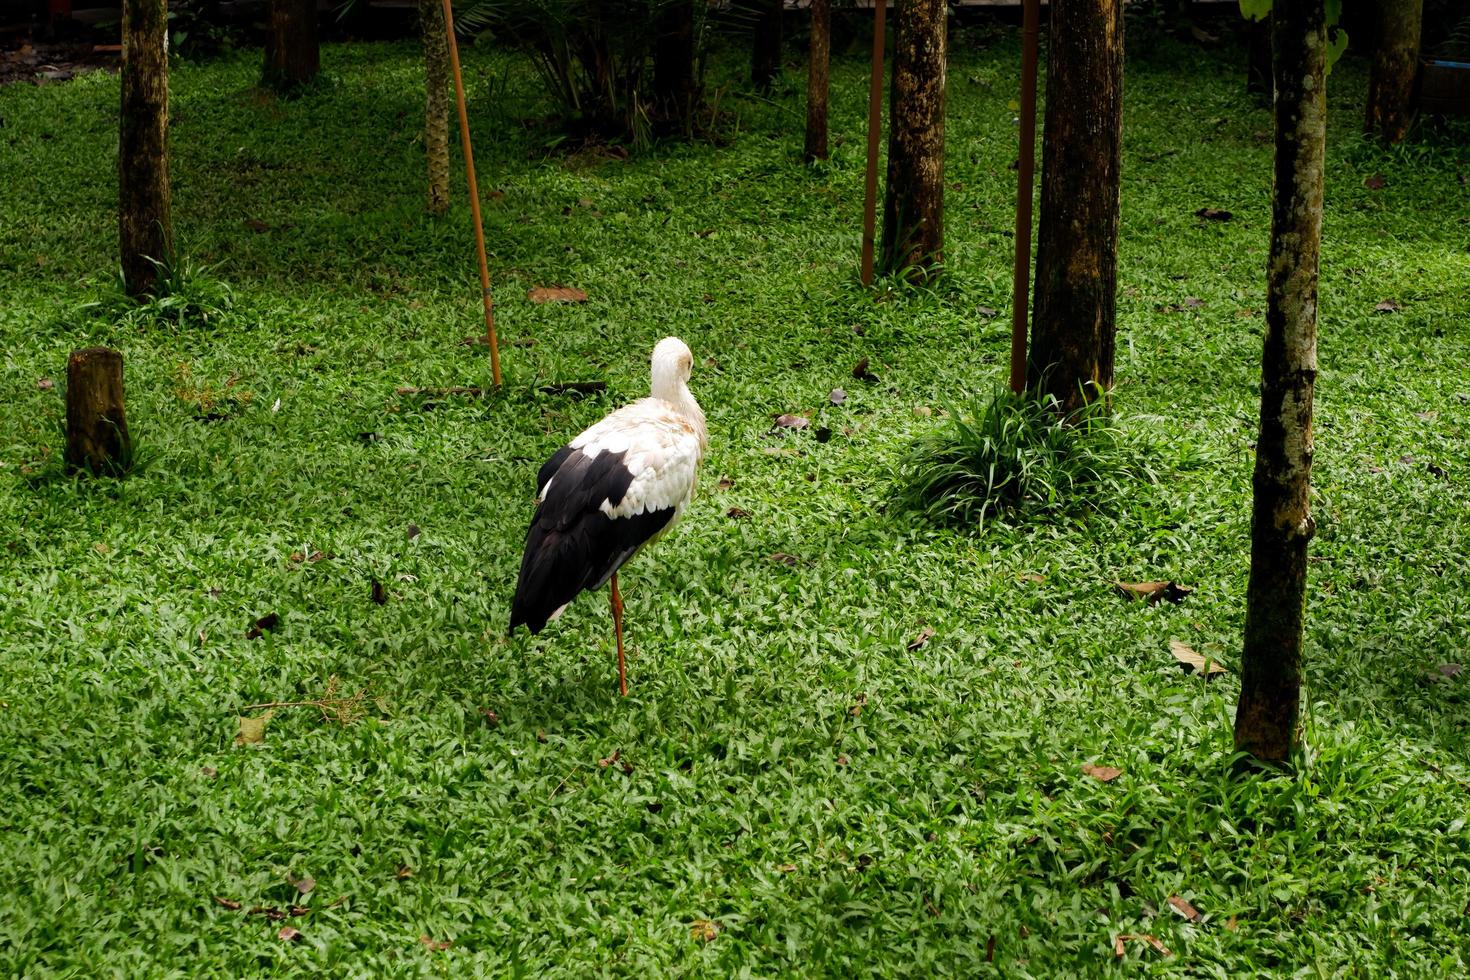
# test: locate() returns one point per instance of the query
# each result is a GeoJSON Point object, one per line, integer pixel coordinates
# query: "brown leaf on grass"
{"type": "Point", "coordinates": [556, 294]}
{"type": "Point", "coordinates": [1184, 908]}
{"type": "Point", "coordinates": [737, 513]}
{"type": "Point", "coordinates": [1376, 182]}
{"type": "Point", "coordinates": [298, 910]}
{"type": "Point", "coordinates": [1233, 923]}
{"type": "Point", "coordinates": [1213, 214]}
{"type": "Point", "coordinates": [1103, 774]}
{"type": "Point", "coordinates": [725, 483]}
{"type": "Point", "coordinates": [413, 531]}
{"type": "Point", "coordinates": [492, 720]}
{"type": "Point", "coordinates": [1154, 592]}
{"type": "Point", "coordinates": [786, 868]}
{"type": "Point", "coordinates": [925, 635]}
{"type": "Point", "coordinates": [436, 945]}
{"type": "Point", "coordinates": [989, 312]}
{"type": "Point", "coordinates": [923, 411]}
{"type": "Point", "coordinates": [792, 421]}
{"type": "Point", "coordinates": [1119, 950]}
{"type": "Point", "coordinates": [1194, 662]}
{"type": "Point", "coordinates": [227, 903]}
{"type": "Point", "coordinates": [303, 885]}
{"type": "Point", "coordinates": [861, 372]}
{"type": "Point", "coordinates": [781, 558]}
{"type": "Point", "coordinates": [297, 557]}
{"type": "Point", "coordinates": [252, 730]}
{"type": "Point", "coordinates": [604, 763]}
{"type": "Point", "coordinates": [379, 594]}
{"type": "Point", "coordinates": [1193, 302]}
{"type": "Point", "coordinates": [289, 934]}
{"type": "Point", "coordinates": [257, 226]}
{"type": "Point", "coordinates": [269, 911]}
{"type": "Point", "coordinates": [1386, 306]}
{"type": "Point", "coordinates": [704, 930]}
{"type": "Point", "coordinates": [842, 760]}
{"type": "Point", "coordinates": [857, 708]}
{"type": "Point", "coordinates": [837, 396]}
{"type": "Point", "coordinates": [403, 873]}
{"type": "Point", "coordinates": [267, 622]}
{"type": "Point", "coordinates": [45, 384]}
{"type": "Point", "coordinates": [1032, 577]}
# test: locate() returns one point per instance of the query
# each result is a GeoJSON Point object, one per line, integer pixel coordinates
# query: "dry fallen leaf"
{"type": "Point", "coordinates": [857, 708]}
{"type": "Point", "coordinates": [989, 312]}
{"type": "Point", "coordinates": [252, 730]}
{"type": "Point", "coordinates": [786, 868]}
{"type": "Point", "coordinates": [403, 873]}
{"type": "Point", "coordinates": [837, 396]}
{"type": "Point", "coordinates": [1193, 661]}
{"type": "Point", "coordinates": [604, 763]}
{"type": "Point", "coordinates": [1213, 214]}
{"type": "Point", "coordinates": [781, 558]}
{"type": "Point", "coordinates": [725, 483]}
{"type": "Point", "coordinates": [289, 934]}
{"type": "Point", "coordinates": [1193, 302]}
{"type": "Point", "coordinates": [1375, 183]}
{"type": "Point", "coordinates": [861, 372]}
{"type": "Point", "coordinates": [303, 885]}
{"type": "Point", "coordinates": [436, 945]}
{"type": "Point", "coordinates": [267, 622]}
{"type": "Point", "coordinates": [1103, 774]}
{"type": "Point", "coordinates": [1153, 591]}
{"type": "Point", "coordinates": [1184, 908]}
{"type": "Point", "coordinates": [232, 906]}
{"type": "Point", "coordinates": [45, 384]}
{"type": "Point", "coordinates": [1119, 950]}
{"type": "Point", "coordinates": [792, 422]}
{"type": "Point", "coordinates": [556, 294]}
{"type": "Point", "coordinates": [379, 594]}
{"type": "Point", "coordinates": [703, 930]}
{"type": "Point", "coordinates": [1386, 306]}
{"type": "Point", "coordinates": [1232, 923]}
{"type": "Point", "coordinates": [925, 635]}
{"type": "Point", "coordinates": [737, 513]}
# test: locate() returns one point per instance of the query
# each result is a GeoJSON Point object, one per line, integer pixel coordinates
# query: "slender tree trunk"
{"type": "Point", "coordinates": [913, 196]}
{"type": "Point", "coordinates": [765, 58]}
{"type": "Point", "coordinates": [436, 102]}
{"type": "Point", "coordinates": [1077, 233]}
{"type": "Point", "coordinates": [144, 218]}
{"type": "Point", "coordinates": [674, 89]}
{"type": "Point", "coordinates": [1281, 519]}
{"type": "Point", "coordinates": [1395, 67]}
{"type": "Point", "coordinates": [292, 53]}
{"type": "Point", "coordinates": [816, 81]}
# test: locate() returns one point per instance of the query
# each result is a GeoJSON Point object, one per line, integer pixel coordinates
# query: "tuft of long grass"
{"type": "Point", "coordinates": [1015, 454]}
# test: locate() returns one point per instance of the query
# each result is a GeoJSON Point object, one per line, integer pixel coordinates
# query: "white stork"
{"type": "Point", "coordinates": [615, 488]}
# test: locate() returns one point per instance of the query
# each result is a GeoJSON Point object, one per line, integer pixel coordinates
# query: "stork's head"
{"type": "Point", "coordinates": [672, 363]}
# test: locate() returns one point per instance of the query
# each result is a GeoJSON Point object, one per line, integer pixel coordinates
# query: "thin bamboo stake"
{"type": "Point", "coordinates": [1024, 182]}
{"type": "Point", "coordinates": [469, 172]}
{"type": "Point", "coordinates": [875, 118]}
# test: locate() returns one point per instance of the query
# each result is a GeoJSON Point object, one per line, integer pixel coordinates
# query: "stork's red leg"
{"type": "Point", "coordinates": [617, 611]}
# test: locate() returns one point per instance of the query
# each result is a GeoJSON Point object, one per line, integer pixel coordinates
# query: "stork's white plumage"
{"type": "Point", "coordinates": [615, 488]}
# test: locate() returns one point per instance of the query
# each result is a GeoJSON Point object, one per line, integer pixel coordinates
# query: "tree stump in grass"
{"type": "Point", "coordinates": [96, 426]}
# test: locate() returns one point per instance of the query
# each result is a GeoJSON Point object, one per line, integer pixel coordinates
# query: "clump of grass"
{"type": "Point", "coordinates": [1013, 454]}
{"type": "Point", "coordinates": [188, 290]}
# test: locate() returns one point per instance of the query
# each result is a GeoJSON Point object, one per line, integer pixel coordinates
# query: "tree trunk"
{"type": "Point", "coordinates": [1077, 233]}
{"type": "Point", "coordinates": [292, 54]}
{"type": "Point", "coordinates": [436, 102]}
{"type": "Point", "coordinates": [673, 64]}
{"type": "Point", "coordinates": [765, 58]}
{"type": "Point", "coordinates": [1395, 68]}
{"type": "Point", "coordinates": [1281, 519]}
{"type": "Point", "coordinates": [144, 218]}
{"type": "Point", "coordinates": [97, 438]}
{"type": "Point", "coordinates": [913, 196]}
{"type": "Point", "coordinates": [816, 82]}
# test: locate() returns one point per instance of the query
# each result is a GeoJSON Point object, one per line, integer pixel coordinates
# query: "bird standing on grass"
{"type": "Point", "coordinates": [615, 488]}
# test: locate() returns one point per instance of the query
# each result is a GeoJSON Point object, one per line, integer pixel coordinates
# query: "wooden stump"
{"type": "Point", "coordinates": [96, 426]}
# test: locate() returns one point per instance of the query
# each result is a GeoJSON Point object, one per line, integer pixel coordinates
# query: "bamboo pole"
{"type": "Point", "coordinates": [875, 118]}
{"type": "Point", "coordinates": [1024, 182]}
{"type": "Point", "coordinates": [469, 171]}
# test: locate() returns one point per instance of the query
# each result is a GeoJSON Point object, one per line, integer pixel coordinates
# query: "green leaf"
{"type": "Point", "coordinates": [1255, 9]}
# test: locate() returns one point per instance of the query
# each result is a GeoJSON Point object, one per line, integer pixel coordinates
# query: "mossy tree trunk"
{"type": "Point", "coordinates": [1395, 68]}
{"type": "Point", "coordinates": [674, 88]}
{"type": "Point", "coordinates": [436, 102]}
{"type": "Point", "coordinates": [144, 219]}
{"type": "Point", "coordinates": [1281, 518]}
{"type": "Point", "coordinates": [292, 51]}
{"type": "Point", "coordinates": [1077, 234]}
{"type": "Point", "coordinates": [817, 85]}
{"type": "Point", "coordinates": [765, 55]}
{"type": "Point", "coordinates": [913, 195]}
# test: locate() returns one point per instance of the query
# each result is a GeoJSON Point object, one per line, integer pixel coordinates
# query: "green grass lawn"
{"type": "Point", "coordinates": [786, 768]}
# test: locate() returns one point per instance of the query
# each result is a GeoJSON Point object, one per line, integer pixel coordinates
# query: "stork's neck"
{"type": "Point", "coordinates": [672, 389]}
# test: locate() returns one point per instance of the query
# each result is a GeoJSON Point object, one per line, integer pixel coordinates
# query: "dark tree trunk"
{"type": "Point", "coordinates": [144, 220]}
{"type": "Point", "coordinates": [765, 57]}
{"type": "Point", "coordinates": [292, 54]}
{"type": "Point", "coordinates": [436, 102]}
{"type": "Point", "coordinates": [674, 89]}
{"type": "Point", "coordinates": [97, 438]}
{"type": "Point", "coordinates": [1258, 58]}
{"type": "Point", "coordinates": [1077, 233]}
{"type": "Point", "coordinates": [1395, 68]}
{"type": "Point", "coordinates": [816, 82]}
{"type": "Point", "coordinates": [1281, 518]}
{"type": "Point", "coordinates": [913, 196]}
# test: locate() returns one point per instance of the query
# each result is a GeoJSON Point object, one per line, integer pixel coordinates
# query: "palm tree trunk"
{"type": "Point", "coordinates": [817, 84]}
{"type": "Point", "coordinates": [1281, 518]}
{"type": "Point", "coordinates": [436, 103]}
{"type": "Point", "coordinates": [913, 196]}
{"type": "Point", "coordinates": [1077, 233]}
{"type": "Point", "coordinates": [144, 218]}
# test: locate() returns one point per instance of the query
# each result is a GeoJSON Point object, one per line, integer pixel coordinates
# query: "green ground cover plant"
{"type": "Point", "coordinates": [856, 739]}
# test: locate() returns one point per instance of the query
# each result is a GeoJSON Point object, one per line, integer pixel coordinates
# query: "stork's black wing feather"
{"type": "Point", "coordinates": [572, 545]}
